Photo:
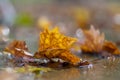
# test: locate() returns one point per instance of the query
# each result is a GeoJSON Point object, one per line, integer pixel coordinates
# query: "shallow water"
{"type": "Point", "coordinates": [102, 69]}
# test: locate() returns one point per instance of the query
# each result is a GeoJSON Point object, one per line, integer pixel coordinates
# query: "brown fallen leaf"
{"type": "Point", "coordinates": [53, 44]}
{"type": "Point", "coordinates": [18, 49]}
{"type": "Point", "coordinates": [95, 43]}
{"type": "Point", "coordinates": [111, 48]}
{"type": "Point", "coordinates": [93, 40]}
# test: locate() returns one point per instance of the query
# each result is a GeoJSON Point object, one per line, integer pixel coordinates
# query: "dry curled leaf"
{"type": "Point", "coordinates": [53, 44]}
{"type": "Point", "coordinates": [111, 48]}
{"type": "Point", "coordinates": [93, 40]}
{"type": "Point", "coordinates": [18, 49]}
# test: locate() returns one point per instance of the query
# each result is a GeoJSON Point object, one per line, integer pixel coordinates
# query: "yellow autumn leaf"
{"type": "Point", "coordinates": [54, 40]}
{"type": "Point", "coordinates": [63, 54]}
{"type": "Point", "coordinates": [53, 44]}
{"type": "Point", "coordinates": [82, 17]}
{"type": "Point", "coordinates": [43, 22]}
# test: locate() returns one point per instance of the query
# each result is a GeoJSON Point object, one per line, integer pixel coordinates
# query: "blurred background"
{"type": "Point", "coordinates": [24, 19]}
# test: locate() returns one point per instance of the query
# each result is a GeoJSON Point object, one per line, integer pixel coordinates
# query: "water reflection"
{"type": "Point", "coordinates": [106, 69]}
{"type": "Point", "coordinates": [98, 72]}
{"type": "Point", "coordinates": [66, 74]}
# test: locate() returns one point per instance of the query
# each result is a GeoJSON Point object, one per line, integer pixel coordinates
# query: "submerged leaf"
{"type": "Point", "coordinates": [32, 69]}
